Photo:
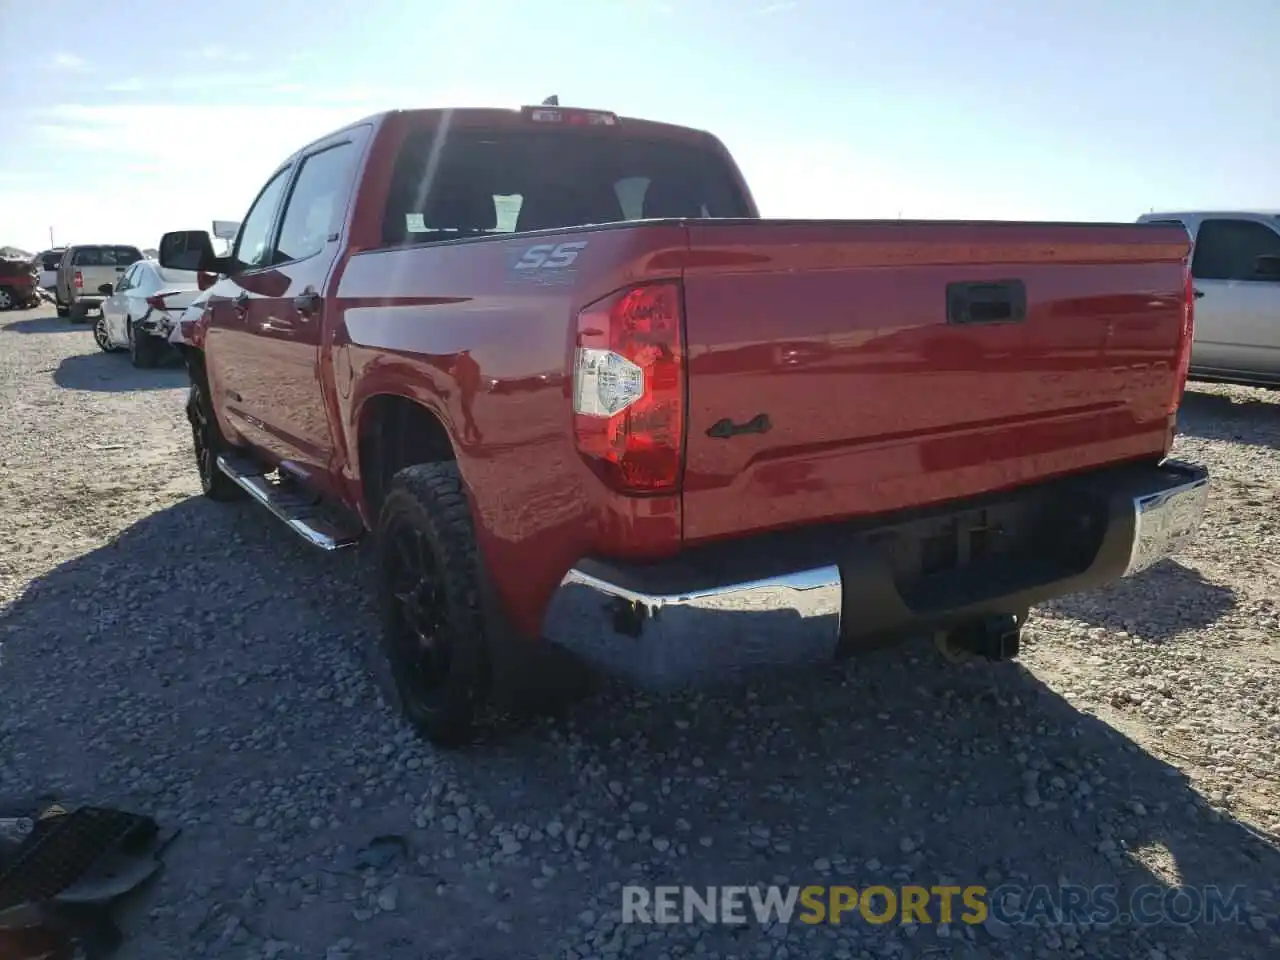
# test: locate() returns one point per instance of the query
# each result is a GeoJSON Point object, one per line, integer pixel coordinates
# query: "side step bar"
{"type": "Point", "coordinates": [301, 513]}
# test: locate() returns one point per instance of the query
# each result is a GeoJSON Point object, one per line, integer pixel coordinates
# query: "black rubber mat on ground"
{"type": "Point", "coordinates": [65, 847]}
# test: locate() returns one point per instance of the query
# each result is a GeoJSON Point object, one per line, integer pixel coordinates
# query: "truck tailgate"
{"type": "Point", "coordinates": [838, 369]}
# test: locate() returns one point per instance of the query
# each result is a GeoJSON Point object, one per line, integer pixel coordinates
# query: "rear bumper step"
{"type": "Point", "coordinates": [664, 626]}
{"type": "Point", "coordinates": [301, 513]}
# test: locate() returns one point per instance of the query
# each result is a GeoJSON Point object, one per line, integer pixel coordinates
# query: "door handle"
{"type": "Point", "coordinates": [241, 305]}
{"type": "Point", "coordinates": [306, 303]}
{"type": "Point", "coordinates": [997, 301]}
{"type": "Point", "coordinates": [1197, 294]}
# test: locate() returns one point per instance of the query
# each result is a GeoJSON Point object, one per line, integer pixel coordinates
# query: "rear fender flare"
{"type": "Point", "coordinates": [389, 377]}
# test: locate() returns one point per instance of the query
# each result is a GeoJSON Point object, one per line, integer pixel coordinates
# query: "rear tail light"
{"type": "Point", "coordinates": [79, 279]}
{"type": "Point", "coordinates": [628, 388]}
{"type": "Point", "coordinates": [1186, 335]}
{"type": "Point", "coordinates": [156, 303]}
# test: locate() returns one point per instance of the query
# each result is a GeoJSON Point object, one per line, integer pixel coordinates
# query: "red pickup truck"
{"type": "Point", "coordinates": [588, 402]}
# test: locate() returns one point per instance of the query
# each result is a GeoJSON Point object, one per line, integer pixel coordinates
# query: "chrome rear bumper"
{"type": "Point", "coordinates": [660, 638]}
{"type": "Point", "coordinates": [1167, 520]}
{"type": "Point", "coordinates": [672, 637]}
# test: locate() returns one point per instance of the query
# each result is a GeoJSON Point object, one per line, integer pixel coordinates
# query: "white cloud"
{"type": "Point", "coordinates": [129, 85]}
{"type": "Point", "coordinates": [67, 61]}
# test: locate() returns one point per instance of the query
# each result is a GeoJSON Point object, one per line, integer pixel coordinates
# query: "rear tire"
{"type": "Point", "coordinates": [8, 298]}
{"type": "Point", "coordinates": [208, 444]}
{"type": "Point", "coordinates": [63, 310]}
{"type": "Point", "coordinates": [435, 662]}
{"type": "Point", "coordinates": [144, 349]}
{"type": "Point", "coordinates": [79, 312]}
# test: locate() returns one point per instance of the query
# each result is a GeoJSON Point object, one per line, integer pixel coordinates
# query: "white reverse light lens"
{"type": "Point", "coordinates": [604, 382]}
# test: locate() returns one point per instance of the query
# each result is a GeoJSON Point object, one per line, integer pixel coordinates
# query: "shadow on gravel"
{"type": "Point", "coordinates": [113, 373]}
{"type": "Point", "coordinates": [1184, 601]}
{"type": "Point", "coordinates": [42, 324]}
{"type": "Point", "coordinates": [1254, 421]}
{"type": "Point", "coordinates": [206, 663]}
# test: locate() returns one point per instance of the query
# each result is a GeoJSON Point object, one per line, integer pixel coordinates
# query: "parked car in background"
{"type": "Point", "coordinates": [140, 311]}
{"type": "Point", "coordinates": [1235, 265]}
{"type": "Point", "coordinates": [83, 269]}
{"type": "Point", "coordinates": [47, 262]}
{"type": "Point", "coordinates": [18, 284]}
{"type": "Point", "coordinates": [185, 329]}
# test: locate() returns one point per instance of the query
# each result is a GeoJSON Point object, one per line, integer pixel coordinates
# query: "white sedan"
{"type": "Point", "coordinates": [141, 312]}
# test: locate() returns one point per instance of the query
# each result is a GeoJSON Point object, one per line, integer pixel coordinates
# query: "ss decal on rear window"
{"type": "Point", "coordinates": [550, 256]}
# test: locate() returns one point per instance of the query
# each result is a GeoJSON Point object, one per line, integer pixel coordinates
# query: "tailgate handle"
{"type": "Point", "coordinates": [995, 301]}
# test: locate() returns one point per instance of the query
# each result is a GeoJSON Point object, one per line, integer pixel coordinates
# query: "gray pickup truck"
{"type": "Point", "coordinates": [84, 268]}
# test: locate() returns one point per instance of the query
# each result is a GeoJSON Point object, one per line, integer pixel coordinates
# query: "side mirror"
{"type": "Point", "coordinates": [105, 289]}
{"type": "Point", "coordinates": [189, 250]}
{"type": "Point", "coordinates": [1267, 266]}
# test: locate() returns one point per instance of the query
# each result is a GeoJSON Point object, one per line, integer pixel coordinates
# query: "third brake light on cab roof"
{"type": "Point", "coordinates": [550, 111]}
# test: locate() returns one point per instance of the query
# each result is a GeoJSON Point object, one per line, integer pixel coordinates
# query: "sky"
{"type": "Point", "coordinates": [121, 121]}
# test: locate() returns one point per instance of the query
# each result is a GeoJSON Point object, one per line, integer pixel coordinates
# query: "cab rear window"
{"type": "Point", "coordinates": [106, 256]}
{"type": "Point", "coordinates": [484, 183]}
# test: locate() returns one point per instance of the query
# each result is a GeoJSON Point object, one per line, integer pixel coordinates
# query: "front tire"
{"type": "Point", "coordinates": [435, 664]}
{"type": "Point", "coordinates": [8, 299]}
{"type": "Point", "coordinates": [208, 443]}
{"type": "Point", "coordinates": [101, 338]}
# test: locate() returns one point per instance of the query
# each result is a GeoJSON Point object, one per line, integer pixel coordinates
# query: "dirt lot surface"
{"type": "Point", "coordinates": [194, 661]}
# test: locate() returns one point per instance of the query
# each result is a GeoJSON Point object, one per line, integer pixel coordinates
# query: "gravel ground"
{"type": "Point", "coordinates": [194, 661]}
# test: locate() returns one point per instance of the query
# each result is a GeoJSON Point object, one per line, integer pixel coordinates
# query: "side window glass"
{"type": "Point", "coordinates": [126, 280]}
{"type": "Point", "coordinates": [316, 205]}
{"type": "Point", "coordinates": [254, 242]}
{"type": "Point", "coordinates": [1229, 249]}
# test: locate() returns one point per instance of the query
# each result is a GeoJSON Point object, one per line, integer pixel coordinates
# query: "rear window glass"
{"type": "Point", "coordinates": [484, 183]}
{"type": "Point", "coordinates": [106, 256]}
{"type": "Point", "coordinates": [50, 261]}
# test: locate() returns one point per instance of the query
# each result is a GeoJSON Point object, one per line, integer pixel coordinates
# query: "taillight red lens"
{"type": "Point", "coordinates": [79, 279]}
{"type": "Point", "coordinates": [1185, 337]}
{"type": "Point", "coordinates": [628, 388]}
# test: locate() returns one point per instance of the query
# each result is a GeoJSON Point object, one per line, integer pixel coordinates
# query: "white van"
{"type": "Point", "coordinates": [1235, 266]}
